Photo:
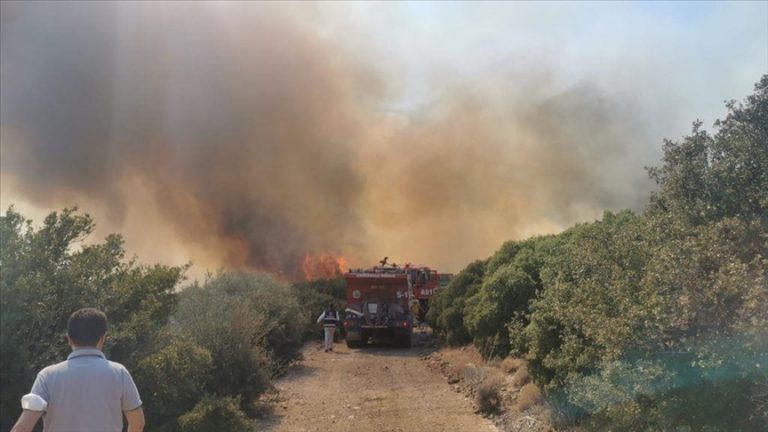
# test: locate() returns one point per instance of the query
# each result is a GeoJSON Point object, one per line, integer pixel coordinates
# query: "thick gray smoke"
{"type": "Point", "coordinates": [259, 141]}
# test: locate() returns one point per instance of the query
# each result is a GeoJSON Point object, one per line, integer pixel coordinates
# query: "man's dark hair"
{"type": "Point", "coordinates": [86, 326]}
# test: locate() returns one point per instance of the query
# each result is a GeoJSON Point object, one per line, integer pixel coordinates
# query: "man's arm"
{"type": "Point", "coordinates": [135, 419]}
{"type": "Point", "coordinates": [33, 404]}
{"type": "Point", "coordinates": [27, 421]}
{"type": "Point", "coordinates": [320, 318]}
{"type": "Point", "coordinates": [131, 402]}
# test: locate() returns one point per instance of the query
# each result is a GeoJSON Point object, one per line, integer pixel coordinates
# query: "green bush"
{"type": "Point", "coordinates": [216, 415]}
{"type": "Point", "coordinates": [48, 273]}
{"type": "Point", "coordinates": [249, 322]}
{"type": "Point", "coordinates": [314, 296]}
{"type": "Point", "coordinates": [446, 307]}
{"type": "Point", "coordinates": [503, 294]}
{"type": "Point", "coordinates": [645, 322]}
{"type": "Point", "coordinates": [228, 336]}
{"type": "Point", "coordinates": [689, 304]}
{"type": "Point", "coordinates": [172, 380]}
{"type": "Point", "coordinates": [666, 393]}
{"type": "Point", "coordinates": [512, 279]}
{"type": "Point", "coordinates": [592, 307]}
{"type": "Point", "coordinates": [708, 178]}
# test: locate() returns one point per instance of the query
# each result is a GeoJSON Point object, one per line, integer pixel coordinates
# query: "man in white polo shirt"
{"type": "Point", "coordinates": [85, 393]}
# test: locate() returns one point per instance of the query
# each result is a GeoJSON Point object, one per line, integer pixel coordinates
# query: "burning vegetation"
{"type": "Point", "coordinates": [323, 266]}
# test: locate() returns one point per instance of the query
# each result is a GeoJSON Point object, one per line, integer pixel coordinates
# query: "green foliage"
{"type": "Point", "coordinates": [48, 273]}
{"type": "Point", "coordinates": [504, 294]}
{"type": "Point", "coordinates": [688, 306]}
{"type": "Point", "coordinates": [707, 178]}
{"type": "Point", "coordinates": [666, 392]}
{"type": "Point", "coordinates": [511, 280]}
{"type": "Point", "coordinates": [315, 296]}
{"type": "Point", "coordinates": [172, 380]}
{"type": "Point", "coordinates": [249, 324]}
{"type": "Point", "coordinates": [228, 336]}
{"type": "Point", "coordinates": [214, 415]}
{"type": "Point", "coordinates": [644, 322]}
{"type": "Point", "coordinates": [446, 307]}
{"type": "Point", "coordinates": [592, 306]}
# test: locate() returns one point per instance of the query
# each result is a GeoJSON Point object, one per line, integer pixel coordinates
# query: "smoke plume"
{"type": "Point", "coordinates": [248, 137]}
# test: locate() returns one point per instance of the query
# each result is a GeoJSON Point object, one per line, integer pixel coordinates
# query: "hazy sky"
{"type": "Point", "coordinates": [245, 134]}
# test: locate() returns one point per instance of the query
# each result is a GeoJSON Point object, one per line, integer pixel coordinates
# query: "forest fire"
{"type": "Point", "coordinates": [322, 266]}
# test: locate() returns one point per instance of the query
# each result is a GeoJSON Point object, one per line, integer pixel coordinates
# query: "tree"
{"type": "Point", "coordinates": [654, 321]}
{"type": "Point", "coordinates": [707, 178]}
{"type": "Point", "coordinates": [314, 296]}
{"type": "Point", "coordinates": [511, 281]}
{"type": "Point", "coordinates": [446, 307]}
{"type": "Point", "coordinates": [250, 324]}
{"type": "Point", "coordinates": [172, 381]}
{"type": "Point", "coordinates": [592, 307]}
{"type": "Point", "coordinates": [50, 272]}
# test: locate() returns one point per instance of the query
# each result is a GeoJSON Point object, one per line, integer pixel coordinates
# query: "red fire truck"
{"type": "Point", "coordinates": [380, 301]}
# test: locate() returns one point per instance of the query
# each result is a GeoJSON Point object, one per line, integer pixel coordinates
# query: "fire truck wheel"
{"type": "Point", "coordinates": [405, 341]}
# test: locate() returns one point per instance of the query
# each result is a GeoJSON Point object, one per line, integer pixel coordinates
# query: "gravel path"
{"type": "Point", "coordinates": [374, 389]}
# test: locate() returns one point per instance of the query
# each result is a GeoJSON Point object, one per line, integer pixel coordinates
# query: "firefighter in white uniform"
{"type": "Point", "coordinates": [329, 318]}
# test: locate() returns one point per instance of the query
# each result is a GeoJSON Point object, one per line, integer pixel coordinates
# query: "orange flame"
{"type": "Point", "coordinates": [323, 266]}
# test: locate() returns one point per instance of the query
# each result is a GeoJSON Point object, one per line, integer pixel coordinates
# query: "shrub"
{"type": "Point", "coordinates": [488, 393]}
{"type": "Point", "coordinates": [644, 322]}
{"type": "Point", "coordinates": [511, 364]}
{"type": "Point", "coordinates": [502, 295]}
{"type": "Point", "coordinates": [446, 307]}
{"type": "Point", "coordinates": [497, 312]}
{"type": "Point", "coordinates": [521, 377]}
{"type": "Point", "coordinates": [172, 380]}
{"type": "Point", "coordinates": [314, 296]}
{"type": "Point", "coordinates": [248, 322]}
{"type": "Point", "coordinates": [216, 415]}
{"type": "Point", "coordinates": [48, 273]}
{"type": "Point", "coordinates": [518, 343]}
{"type": "Point", "coordinates": [592, 306]}
{"type": "Point", "coordinates": [528, 396]}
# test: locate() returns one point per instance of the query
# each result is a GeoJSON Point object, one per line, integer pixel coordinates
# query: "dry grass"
{"type": "Point", "coordinates": [521, 377]}
{"type": "Point", "coordinates": [472, 374]}
{"type": "Point", "coordinates": [511, 364]}
{"type": "Point", "coordinates": [529, 396]}
{"type": "Point", "coordinates": [488, 393]}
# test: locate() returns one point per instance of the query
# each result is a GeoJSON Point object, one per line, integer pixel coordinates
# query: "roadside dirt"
{"type": "Point", "coordinates": [374, 389]}
{"type": "Point", "coordinates": [520, 405]}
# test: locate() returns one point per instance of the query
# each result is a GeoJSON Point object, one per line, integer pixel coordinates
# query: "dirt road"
{"type": "Point", "coordinates": [375, 389]}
